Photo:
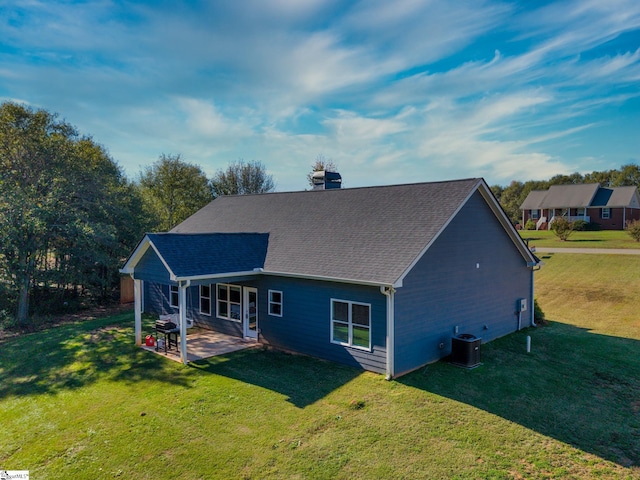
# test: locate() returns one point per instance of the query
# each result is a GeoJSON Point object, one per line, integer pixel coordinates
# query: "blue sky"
{"type": "Point", "coordinates": [392, 91]}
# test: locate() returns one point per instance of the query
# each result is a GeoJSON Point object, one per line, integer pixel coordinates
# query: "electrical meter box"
{"type": "Point", "coordinates": [521, 305]}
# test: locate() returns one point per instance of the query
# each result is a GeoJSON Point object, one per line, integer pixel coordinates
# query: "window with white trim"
{"type": "Point", "coordinates": [228, 301]}
{"type": "Point", "coordinates": [351, 324]}
{"type": "Point", "coordinates": [174, 298]}
{"type": "Point", "coordinates": [535, 214]}
{"type": "Point", "coordinates": [606, 213]}
{"type": "Point", "coordinates": [275, 303]}
{"type": "Point", "coordinates": [205, 299]}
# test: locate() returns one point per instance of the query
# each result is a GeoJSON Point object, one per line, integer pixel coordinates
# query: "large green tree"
{"type": "Point", "coordinates": [173, 190]}
{"type": "Point", "coordinates": [627, 175]}
{"type": "Point", "coordinates": [242, 178]}
{"type": "Point", "coordinates": [512, 196]}
{"type": "Point", "coordinates": [63, 224]}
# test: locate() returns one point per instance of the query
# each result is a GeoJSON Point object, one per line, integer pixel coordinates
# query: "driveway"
{"type": "Point", "coordinates": [602, 251]}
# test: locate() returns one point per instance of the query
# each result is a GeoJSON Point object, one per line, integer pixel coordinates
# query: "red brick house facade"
{"type": "Point", "coordinates": [610, 208]}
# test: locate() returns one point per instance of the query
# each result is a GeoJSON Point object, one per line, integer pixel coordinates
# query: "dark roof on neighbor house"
{"type": "Point", "coordinates": [188, 255]}
{"type": "Point", "coordinates": [369, 235]}
{"type": "Point", "coordinates": [581, 196]}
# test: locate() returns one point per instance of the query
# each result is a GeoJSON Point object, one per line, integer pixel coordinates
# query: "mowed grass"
{"type": "Point", "coordinates": [602, 239]}
{"type": "Point", "coordinates": [597, 292]}
{"type": "Point", "coordinates": [80, 401]}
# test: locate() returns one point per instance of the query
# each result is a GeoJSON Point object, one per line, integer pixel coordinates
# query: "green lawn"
{"type": "Point", "coordinates": [602, 239]}
{"type": "Point", "coordinates": [80, 401]}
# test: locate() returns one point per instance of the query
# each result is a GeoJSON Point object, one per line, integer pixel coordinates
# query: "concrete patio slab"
{"type": "Point", "coordinates": [204, 343]}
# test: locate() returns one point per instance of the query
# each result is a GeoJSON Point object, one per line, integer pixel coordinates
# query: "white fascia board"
{"type": "Point", "coordinates": [195, 278]}
{"type": "Point", "coordinates": [139, 252]}
{"type": "Point", "coordinates": [135, 257]}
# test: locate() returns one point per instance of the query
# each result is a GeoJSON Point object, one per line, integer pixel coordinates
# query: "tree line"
{"type": "Point", "coordinates": [512, 196]}
{"type": "Point", "coordinates": [69, 216]}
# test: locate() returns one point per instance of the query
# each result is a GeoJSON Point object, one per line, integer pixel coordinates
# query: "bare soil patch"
{"type": "Point", "coordinates": [58, 320]}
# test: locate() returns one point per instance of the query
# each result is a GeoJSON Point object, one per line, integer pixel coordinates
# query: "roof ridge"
{"type": "Point", "coordinates": [459, 180]}
{"type": "Point", "coordinates": [204, 233]}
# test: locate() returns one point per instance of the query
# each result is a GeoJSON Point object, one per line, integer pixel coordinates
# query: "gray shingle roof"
{"type": "Point", "coordinates": [570, 196]}
{"type": "Point", "coordinates": [534, 200]}
{"type": "Point", "coordinates": [616, 197]}
{"type": "Point", "coordinates": [370, 234]}
{"type": "Point", "coordinates": [580, 196]}
{"type": "Point", "coordinates": [189, 255]}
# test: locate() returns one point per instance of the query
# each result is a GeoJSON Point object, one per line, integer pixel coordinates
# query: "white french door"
{"type": "Point", "coordinates": [250, 312]}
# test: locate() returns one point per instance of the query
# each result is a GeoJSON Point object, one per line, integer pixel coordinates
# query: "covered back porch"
{"type": "Point", "coordinates": [187, 270]}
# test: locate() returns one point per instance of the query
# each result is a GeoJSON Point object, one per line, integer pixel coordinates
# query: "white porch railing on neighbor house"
{"type": "Point", "coordinates": [571, 218]}
{"type": "Point", "coordinates": [540, 222]}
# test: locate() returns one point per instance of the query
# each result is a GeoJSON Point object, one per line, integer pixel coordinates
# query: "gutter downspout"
{"type": "Point", "coordinates": [183, 285]}
{"type": "Point", "coordinates": [533, 299]}
{"type": "Point", "coordinates": [389, 293]}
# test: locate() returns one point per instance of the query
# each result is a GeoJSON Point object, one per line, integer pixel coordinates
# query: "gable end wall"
{"type": "Point", "coordinates": [151, 268]}
{"type": "Point", "coordinates": [446, 289]}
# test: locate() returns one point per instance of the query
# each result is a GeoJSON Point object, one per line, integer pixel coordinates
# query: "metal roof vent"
{"type": "Point", "coordinates": [325, 180]}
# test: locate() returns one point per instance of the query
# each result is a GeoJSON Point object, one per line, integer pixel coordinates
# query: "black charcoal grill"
{"type": "Point", "coordinates": [169, 330]}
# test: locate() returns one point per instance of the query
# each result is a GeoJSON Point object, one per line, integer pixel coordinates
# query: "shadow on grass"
{"type": "Point", "coordinates": [303, 380]}
{"type": "Point", "coordinates": [75, 355]}
{"type": "Point", "coordinates": [575, 386]}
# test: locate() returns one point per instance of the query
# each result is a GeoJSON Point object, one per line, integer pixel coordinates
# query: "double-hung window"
{"type": "Point", "coordinates": [606, 213]}
{"type": "Point", "coordinates": [205, 299]}
{"type": "Point", "coordinates": [351, 324]}
{"type": "Point", "coordinates": [173, 296]}
{"type": "Point", "coordinates": [275, 303]}
{"type": "Point", "coordinates": [535, 214]}
{"type": "Point", "coordinates": [228, 301]}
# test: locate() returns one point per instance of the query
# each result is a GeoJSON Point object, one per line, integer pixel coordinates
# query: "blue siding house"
{"type": "Point", "coordinates": [380, 278]}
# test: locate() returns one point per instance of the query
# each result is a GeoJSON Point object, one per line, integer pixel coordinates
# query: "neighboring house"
{"type": "Point", "coordinates": [610, 208]}
{"type": "Point", "coordinates": [378, 277]}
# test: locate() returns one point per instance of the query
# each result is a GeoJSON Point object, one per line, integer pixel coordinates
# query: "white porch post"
{"type": "Point", "coordinates": [137, 309]}
{"type": "Point", "coordinates": [182, 304]}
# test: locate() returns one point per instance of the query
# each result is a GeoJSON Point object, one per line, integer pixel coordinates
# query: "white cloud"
{"type": "Point", "coordinates": [203, 118]}
{"type": "Point", "coordinates": [351, 127]}
{"type": "Point", "coordinates": [392, 91]}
